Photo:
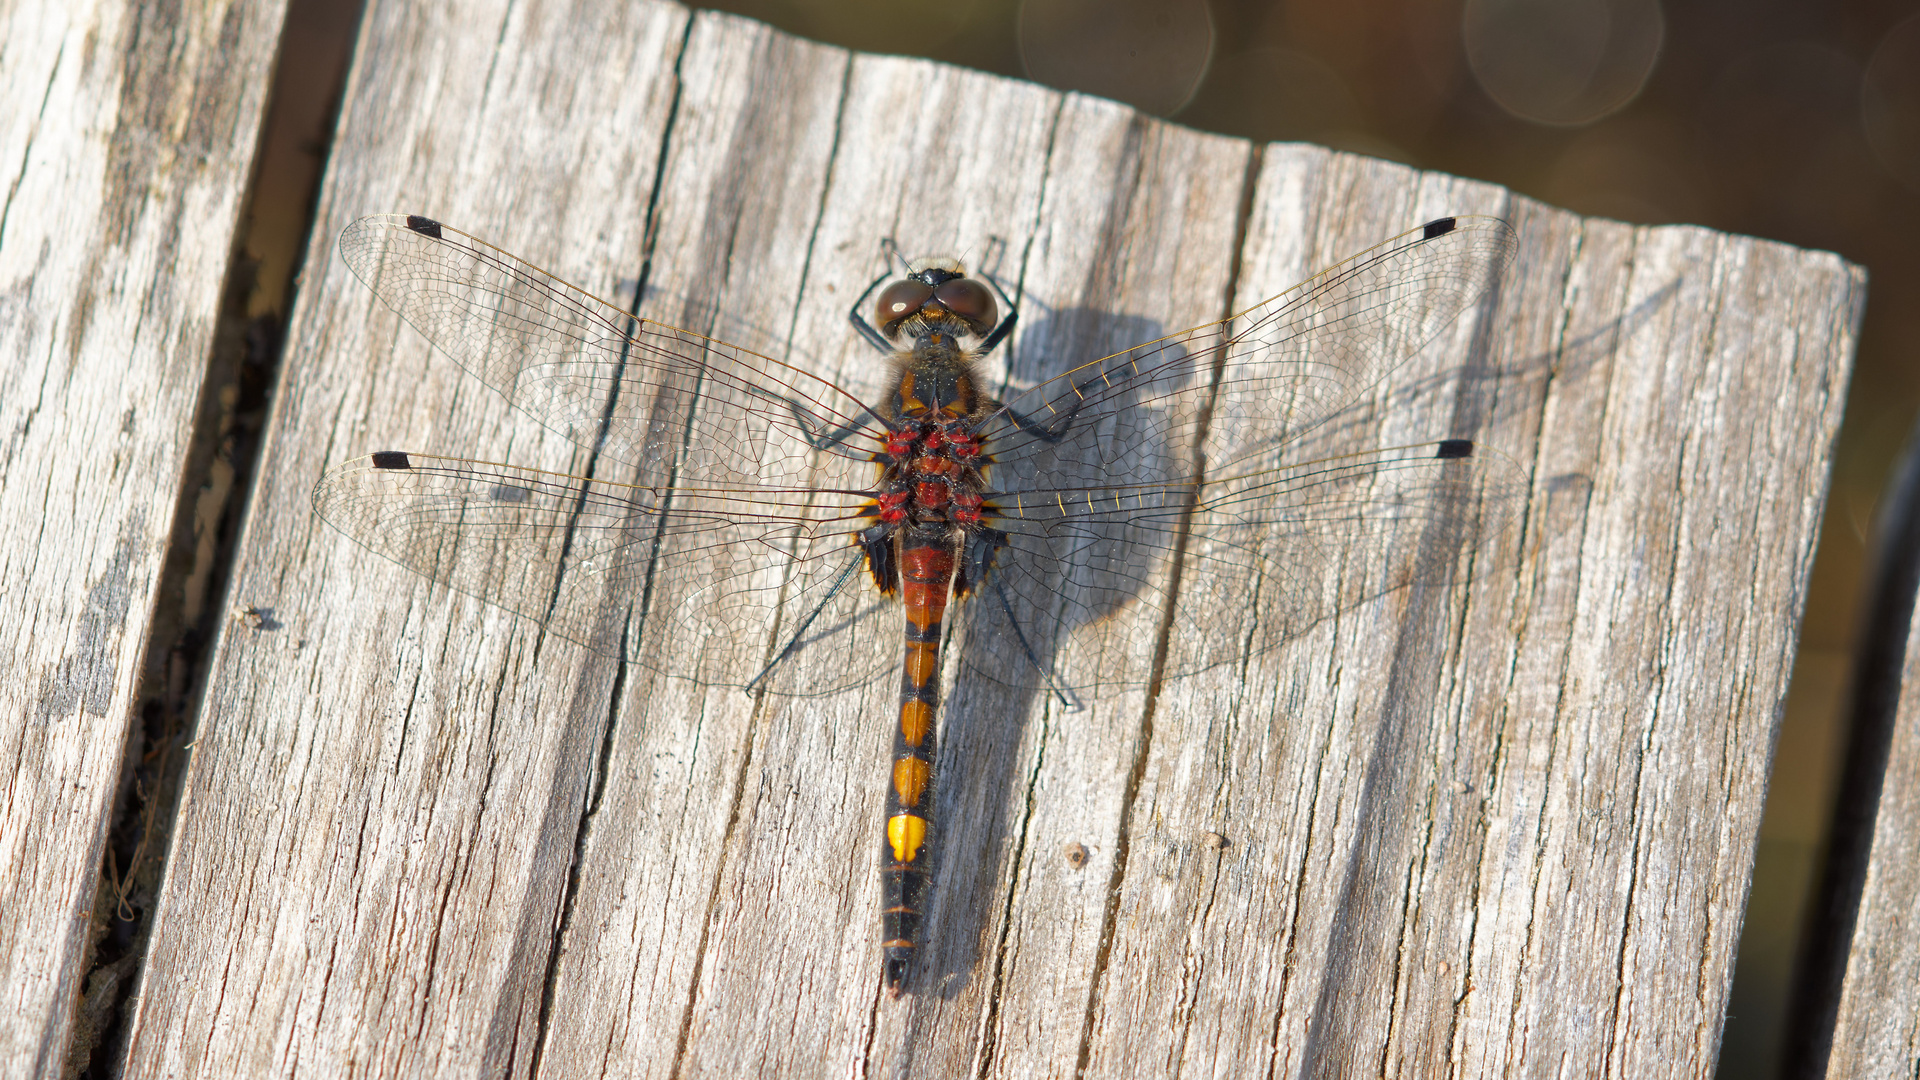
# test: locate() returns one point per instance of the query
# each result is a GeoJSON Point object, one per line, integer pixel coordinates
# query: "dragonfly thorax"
{"type": "Point", "coordinates": [935, 477]}
{"type": "Point", "coordinates": [937, 384]}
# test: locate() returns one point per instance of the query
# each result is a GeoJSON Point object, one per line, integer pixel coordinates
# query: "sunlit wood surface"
{"type": "Point", "coordinates": [1504, 826]}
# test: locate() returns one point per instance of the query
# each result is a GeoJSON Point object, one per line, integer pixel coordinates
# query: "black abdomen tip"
{"type": "Point", "coordinates": [894, 969]}
{"type": "Point", "coordinates": [391, 459]}
{"type": "Point", "coordinates": [426, 226]}
{"type": "Point", "coordinates": [1454, 448]}
{"type": "Point", "coordinates": [1437, 227]}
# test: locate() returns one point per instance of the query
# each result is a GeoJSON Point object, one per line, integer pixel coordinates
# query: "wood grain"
{"type": "Point", "coordinates": [127, 137]}
{"type": "Point", "coordinates": [1498, 825]}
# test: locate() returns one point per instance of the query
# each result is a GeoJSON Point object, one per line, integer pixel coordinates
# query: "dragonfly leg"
{"type": "Point", "coordinates": [865, 328]}
{"type": "Point", "coordinates": [1067, 699]}
{"type": "Point", "coordinates": [1053, 434]}
{"type": "Point", "coordinates": [798, 639]}
{"type": "Point", "coordinates": [1000, 332]}
{"type": "Point", "coordinates": [859, 321]}
{"type": "Point", "coordinates": [810, 429]}
{"type": "Point", "coordinates": [983, 546]}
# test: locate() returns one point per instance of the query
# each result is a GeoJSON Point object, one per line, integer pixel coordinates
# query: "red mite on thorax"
{"type": "Point", "coordinates": [929, 543]}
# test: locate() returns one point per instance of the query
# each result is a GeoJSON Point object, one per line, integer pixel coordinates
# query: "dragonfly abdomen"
{"type": "Point", "coordinates": [926, 567]}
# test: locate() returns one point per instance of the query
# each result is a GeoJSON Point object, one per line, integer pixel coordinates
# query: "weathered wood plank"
{"type": "Point", "coordinates": [1494, 826]}
{"type": "Point", "coordinates": [1875, 882]}
{"type": "Point", "coordinates": [446, 775]}
{"type": "Point", "coordinates": [127, 136]}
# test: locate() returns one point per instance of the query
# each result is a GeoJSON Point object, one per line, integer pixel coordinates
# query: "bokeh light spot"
{"type": "Point", "coordinates": [1270, 93]}
{"type": "Point", "coordinates": [1562, 62]}
{"type": "Point", "coordinates": [1890, 101]}
{"type": "Point", "coordinates": [1151, 54]}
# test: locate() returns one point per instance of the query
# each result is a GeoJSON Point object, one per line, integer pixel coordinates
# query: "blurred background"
{"type": "Point", "coordinates": [1795, 120]}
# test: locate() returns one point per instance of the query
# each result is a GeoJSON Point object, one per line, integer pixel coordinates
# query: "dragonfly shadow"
{"type": "Point", "coordinates": [1092, 472]}
{"type": "Point", "coordinates": [1510, 389]}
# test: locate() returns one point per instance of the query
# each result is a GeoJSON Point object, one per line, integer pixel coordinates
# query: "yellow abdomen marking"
{"type": "Point", "coordinates": [922, 660]}
{"type": "Point", "coordinates": [910, 780]}
{"type": "Point", "coordinates": [906, 833]}
{"type": "Point", "coordinates": [916, 719]}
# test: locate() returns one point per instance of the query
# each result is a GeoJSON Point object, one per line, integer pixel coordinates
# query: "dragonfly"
{"type": "Point", "coordinates": [732, 510]}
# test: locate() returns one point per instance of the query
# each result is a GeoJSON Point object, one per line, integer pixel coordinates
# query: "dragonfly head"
{"type": "Point", "coordinates": [935, 298]}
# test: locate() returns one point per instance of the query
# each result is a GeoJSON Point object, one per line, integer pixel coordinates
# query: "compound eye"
{"type": "Point", "coordinates": [970, 300]}
{"type": "Point", "coordinates": [899, 300]}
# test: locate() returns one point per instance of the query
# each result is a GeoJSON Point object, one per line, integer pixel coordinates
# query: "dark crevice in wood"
{"type": "Point", "coordinates": [26, 149]}
{"type": "Point", "coordinates": [1010, 891]}
{"type": "Point", "coordinates": [1834, 908]}
{"type": "Point", "coordinates": [1128, 169]}
{"type": "Point", "coordinates": [1496, 746]}
{"type": "Point", "coordinates": [608, 712]}
{"type": "Point", "coordinates": [1386, 853]}
{"type": "Point", "coordinates": [683, 1036]}
{"type": "Point", "coordinates": [812, 250]}
{"type": "Point", "coordinates": [214, 495]}
{"type": "Point", "coordinates": [608, 707]}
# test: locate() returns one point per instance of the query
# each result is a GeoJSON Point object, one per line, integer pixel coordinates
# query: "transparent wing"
{"type": "Point", "coordinates": [1265, 557]}
{"type": "Point", "coordinates": [1265, 377]}
{"type": "Point", "coordinates": [723, 479]}
{"type": "Point", "coordinates": [587, 558]}
{"type": "Point", "coordinates": [1233, 434]}
{"type": "Point", "coordinates": [691, 411]}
